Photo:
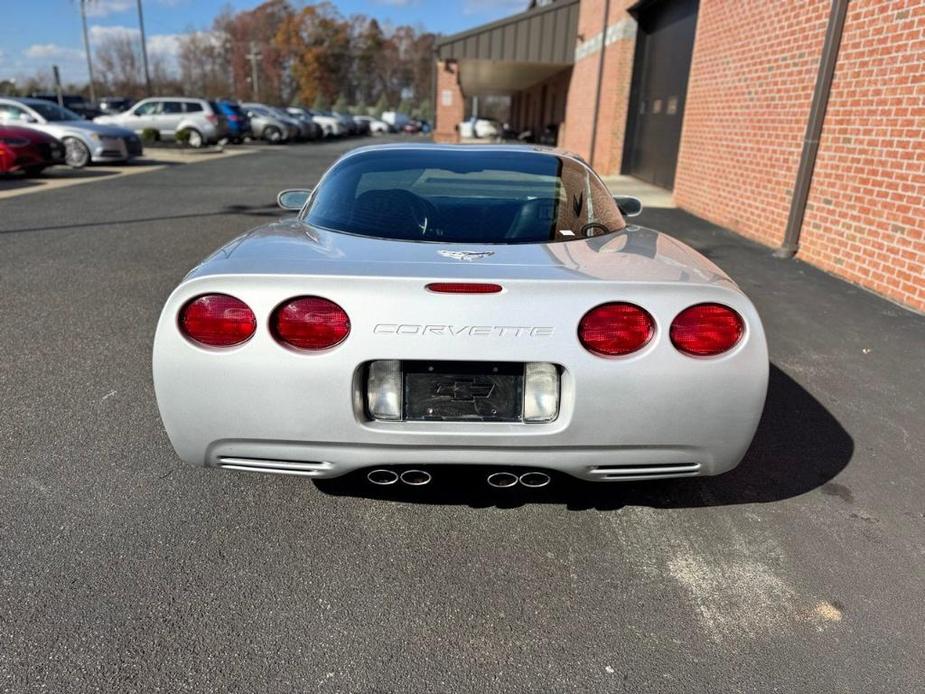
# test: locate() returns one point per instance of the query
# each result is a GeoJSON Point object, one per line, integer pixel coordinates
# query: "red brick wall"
{"type": "Point", "coordinates": [865, 219]}
{"type": "Point", "coordinates": [447, 117]}
{"type": "Point", "coordinates": [752, 75]}
{"type": "Point", "coordinates": [615, 84]}
{"type": "Point", "coordinates": [530, 111]}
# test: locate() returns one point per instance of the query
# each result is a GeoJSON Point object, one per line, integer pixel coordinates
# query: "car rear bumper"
{"type": "Point", "coordinates": [671, 414]}
{"type": "Point", "coordinates": [589, 463]}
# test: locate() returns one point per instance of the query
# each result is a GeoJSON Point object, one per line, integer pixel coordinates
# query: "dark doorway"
{"type": "Point", "coordinates": [664, 44]}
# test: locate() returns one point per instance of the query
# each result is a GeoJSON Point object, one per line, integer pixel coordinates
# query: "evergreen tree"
{"type": "Point", "coordinates": [406, 106]}
{"type": "Point", "coordinates": [381, 106]}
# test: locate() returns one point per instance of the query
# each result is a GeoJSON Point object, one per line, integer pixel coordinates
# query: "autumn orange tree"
{"type": "Point", "coordinates": [311, 55]}
{"type": "Point", "coordinates": [315, 43]}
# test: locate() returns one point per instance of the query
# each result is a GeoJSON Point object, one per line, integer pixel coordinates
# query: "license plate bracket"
{"type": "Point", "coordinates": [452, 391]}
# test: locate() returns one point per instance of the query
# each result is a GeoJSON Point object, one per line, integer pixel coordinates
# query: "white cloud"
{"type": "Point", "coordinates": [101, 33]}
{"type": "Point", "coordinates": [103, 8]}
{"type": "Point", "coordinates": [52, 51]}
{"type": "Point", "coordinates": [38, 58]}
{"type": "Point", "coordinates": [167, 45]}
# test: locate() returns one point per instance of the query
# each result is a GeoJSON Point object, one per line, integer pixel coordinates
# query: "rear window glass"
{"type": "Point", "coordinates": [192, 106]}
{"type": "Point", "coordinates": [464, 196]}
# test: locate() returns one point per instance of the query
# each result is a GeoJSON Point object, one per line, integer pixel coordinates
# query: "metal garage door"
{"type": "Point", "coordinates": [664, 43]}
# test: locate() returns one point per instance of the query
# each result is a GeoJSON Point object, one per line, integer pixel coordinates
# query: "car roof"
{"type": "Point", "coordinates": [174, 98]}
{"type": "Point", "coordinates": [410, 147]}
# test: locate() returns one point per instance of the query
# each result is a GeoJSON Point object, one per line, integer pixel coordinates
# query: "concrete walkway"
{"type": "Point", "coordinates": [651, 196]}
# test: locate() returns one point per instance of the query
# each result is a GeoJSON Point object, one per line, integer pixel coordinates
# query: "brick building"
{"type": "Point", "coordinates": [797, 123]}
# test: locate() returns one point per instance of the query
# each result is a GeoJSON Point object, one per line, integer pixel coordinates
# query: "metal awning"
{"type": "Point", "coordinates": [515, 52]}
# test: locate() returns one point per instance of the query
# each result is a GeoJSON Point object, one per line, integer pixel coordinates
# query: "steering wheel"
{"type": "Point", "coordinates": [394, 206]}
{"type": "Point", "coordinates": [422, 211]}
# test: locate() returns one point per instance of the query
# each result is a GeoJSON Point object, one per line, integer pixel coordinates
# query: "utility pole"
{"type": "Point", "coordinates": [57, 76]}
{"type": "Point", "coordinates": [83, 17]}
{"type": "Point", "coordinates": [144, 50]}
{"type": "Point", "coordinates": [254, 56]}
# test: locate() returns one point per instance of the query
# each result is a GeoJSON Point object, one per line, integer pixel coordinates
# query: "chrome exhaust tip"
{"type": "Point", "coordinates": [382, 477]}
{"type": "Point", "coordinates": [415, 478]}
{"type": "Point", "coordinates": [534, 479]}
{"type": "Point", "coordinates": [502, 480]}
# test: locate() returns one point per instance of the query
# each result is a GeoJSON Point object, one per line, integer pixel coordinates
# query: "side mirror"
{"type": "Point", "coordinates": [26, 118]}
{"type": "Point", "coordinates": [628, 205]}
{"type": "Point", "coordinates": [293, 199]}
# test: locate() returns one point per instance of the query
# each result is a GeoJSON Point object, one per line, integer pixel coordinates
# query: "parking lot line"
{"type": "Point", "coordinates": [152, 160]}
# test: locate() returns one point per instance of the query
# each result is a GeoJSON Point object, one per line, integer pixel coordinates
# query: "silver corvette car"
{"type": "Point", "coordinates": [434, 306]}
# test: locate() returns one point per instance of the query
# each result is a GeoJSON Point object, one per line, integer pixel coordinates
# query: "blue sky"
{"type": "Point", "coordinates": [35, 34]}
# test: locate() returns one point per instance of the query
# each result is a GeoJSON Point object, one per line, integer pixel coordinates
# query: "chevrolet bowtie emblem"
{"type": "Point", "coordinates": [464, 390]}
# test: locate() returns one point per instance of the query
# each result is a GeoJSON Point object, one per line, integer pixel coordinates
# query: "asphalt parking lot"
{"type": "Point", "coordinates": [125, 570]}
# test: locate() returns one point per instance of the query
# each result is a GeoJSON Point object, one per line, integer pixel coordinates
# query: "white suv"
{"type": "Point", "coordinates": [169, 116]}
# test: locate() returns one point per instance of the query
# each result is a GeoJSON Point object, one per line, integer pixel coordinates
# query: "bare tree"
{"type": "Point", "coordinates": [203, 60]}
{"type": "Point", "coordinates": [118, 62]}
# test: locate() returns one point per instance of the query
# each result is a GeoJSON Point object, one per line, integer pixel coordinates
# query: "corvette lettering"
{"type": "Point", "coordinates": [463, 330]}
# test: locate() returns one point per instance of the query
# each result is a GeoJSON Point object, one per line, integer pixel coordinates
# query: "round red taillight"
{"type": "Point", "coordinates": [706, 330]}
{"type": "Point", "coordinates": [310, 322]}
{"type": "Point", "coordinates": [616, 329]}
{"type": "Point", "coordinates": [217, 320]}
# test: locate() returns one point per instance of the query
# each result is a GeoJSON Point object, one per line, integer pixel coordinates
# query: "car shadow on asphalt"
{"type": "Point", "coordinates": [268, 211]}
{"type": "Point", "coordinates": [17, 182]}
{"type": "Point", "coordinates": [799, 446]}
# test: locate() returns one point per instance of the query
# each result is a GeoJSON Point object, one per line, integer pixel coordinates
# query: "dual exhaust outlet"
{"type": "Point", "coordinates": [384, 477]}
{"type": "Point", "coordinates": [533, 479]}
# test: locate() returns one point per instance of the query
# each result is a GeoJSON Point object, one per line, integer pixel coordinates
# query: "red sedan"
{"type": "Point", "coordinates": [28, 150]}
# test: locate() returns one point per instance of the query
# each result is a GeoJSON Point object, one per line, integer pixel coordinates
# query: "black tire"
{"type": "Point", "coordinates": [76, 153]}
{"type": "Point", "coordinates": [33, 171]}
{"type": "Point", "coordinates": [272, 134]}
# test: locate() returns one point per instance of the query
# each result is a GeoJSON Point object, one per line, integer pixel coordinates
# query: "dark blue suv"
{"type": "Point", "coordinates": [239, 125]}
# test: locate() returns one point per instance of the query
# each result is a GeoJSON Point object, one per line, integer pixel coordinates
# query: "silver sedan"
{"type": "Point", "coordinates": [84, 141]}
{"type": "Point", "coordinates": [432, 306]}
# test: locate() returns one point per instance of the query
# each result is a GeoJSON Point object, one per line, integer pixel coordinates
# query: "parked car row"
{"type": "Point", "coordinates": [55, 134]}
{"type": "Point", "coordinates": [81, 141]}
{"type": "Point", "coordinates": [204, 121]}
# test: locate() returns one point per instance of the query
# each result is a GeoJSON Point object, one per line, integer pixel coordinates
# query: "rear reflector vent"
{"type": "Point", "coordinates": [646, 471]}
{"type": "Point", "coordinates": [278, 467]}
{"type": "Point", "coordinates": [464, 288]}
